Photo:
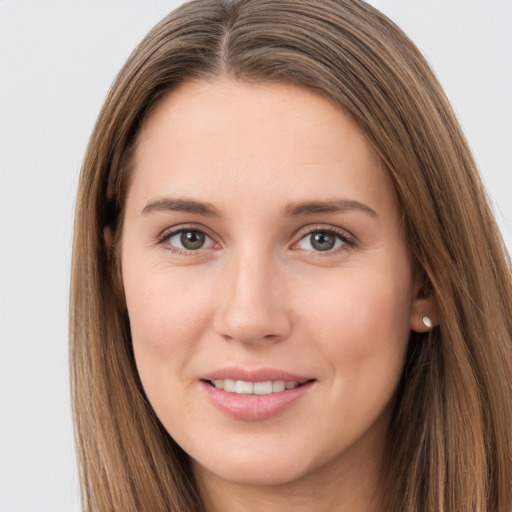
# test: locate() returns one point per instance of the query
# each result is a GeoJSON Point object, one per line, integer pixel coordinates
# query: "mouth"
{"type": "Point", "coordinates": [243, 387]}
{"type": "Point", "coordinates": [255, 395]}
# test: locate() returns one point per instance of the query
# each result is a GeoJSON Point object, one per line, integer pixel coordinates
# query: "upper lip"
{"type": "Point", "coordinates": [255, 375]}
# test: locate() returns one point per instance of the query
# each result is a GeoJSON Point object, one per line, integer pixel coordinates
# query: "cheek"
{"type": "Point", "coordinates": [363, 325]}
{"type": "Point", "coordinates": [168, 316]}
{"type": "Point", "coordinates": [361, 331]}
{"type": "Point", "coordinates": [167, 319]}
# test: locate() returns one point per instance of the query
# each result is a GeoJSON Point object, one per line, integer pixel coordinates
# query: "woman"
{"type": "Point", "coordinates": [288, 289]}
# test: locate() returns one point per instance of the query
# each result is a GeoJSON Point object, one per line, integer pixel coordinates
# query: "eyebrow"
{"type": "Point", "coordinates": [181, 205]}
{"type": "Point", "coordinates": [290, 210]}
{"type": "Point", "coordinates": [335, 206]}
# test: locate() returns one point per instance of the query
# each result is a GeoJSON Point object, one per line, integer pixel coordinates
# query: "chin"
{"type": "Point", "coordinates": [260, 478]}
{"type": "Point", "coordinates": [254, 473]}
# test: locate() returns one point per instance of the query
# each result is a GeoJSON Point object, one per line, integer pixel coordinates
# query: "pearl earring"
{"type": "Point", "coordinates": [427, 322]}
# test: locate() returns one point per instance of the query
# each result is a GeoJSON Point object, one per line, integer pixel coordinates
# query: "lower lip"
{"type": "Point", "coordinates": [255, 407]}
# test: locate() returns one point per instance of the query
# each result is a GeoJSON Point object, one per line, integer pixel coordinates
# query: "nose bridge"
{"type": "Point", "coordinates": [250, 308]}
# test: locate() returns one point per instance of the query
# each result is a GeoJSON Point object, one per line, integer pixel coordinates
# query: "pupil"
{"type": "Point", "coordinates": [322, 241]}
{"type": "Point", "coordinates": [192, 239]}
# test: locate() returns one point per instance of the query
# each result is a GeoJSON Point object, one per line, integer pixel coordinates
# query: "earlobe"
{"type": "Point", "coordinates": [424, 312]}
{"type": "Point", "coordinates": [427, 322]}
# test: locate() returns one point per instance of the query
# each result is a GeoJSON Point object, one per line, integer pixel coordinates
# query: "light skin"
{"type": "Point", "coordinates": [294, 261]}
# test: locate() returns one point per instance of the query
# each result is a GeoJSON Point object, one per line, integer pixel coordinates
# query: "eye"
{"type": "Point", "coordinates": [323, 240]}
{"type": "Point", "coordinates": [188, 240]}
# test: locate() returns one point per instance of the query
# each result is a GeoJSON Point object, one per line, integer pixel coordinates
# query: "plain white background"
{"type": "Point", "coordinates": [57, 61]}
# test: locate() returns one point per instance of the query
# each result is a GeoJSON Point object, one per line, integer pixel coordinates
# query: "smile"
{"type": "Point", "coordinates": [255, 396]}
{"type": "Point", "coordinates": [243, 387]}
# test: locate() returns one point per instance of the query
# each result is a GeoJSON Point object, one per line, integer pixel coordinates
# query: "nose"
{"type": "Point", "coordinates": [252, 307]}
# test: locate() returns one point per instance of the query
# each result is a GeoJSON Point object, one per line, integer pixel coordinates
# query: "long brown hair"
{"type": "Point", "coordinates": [450, 439]}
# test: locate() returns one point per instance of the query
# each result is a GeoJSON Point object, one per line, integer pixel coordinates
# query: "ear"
{"type": "Point", "coordinates": [424, 311]}
{"type": "Point", "coordinates": [117, 281]}
{"type": "Point", "coordinates": [108, 238]}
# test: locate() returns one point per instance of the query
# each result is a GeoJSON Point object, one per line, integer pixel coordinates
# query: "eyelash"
{"type": "Point", "coordinates": [347, 240]}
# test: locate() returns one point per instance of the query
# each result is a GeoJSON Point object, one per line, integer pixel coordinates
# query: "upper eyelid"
{"type": "Point", "coordinates": [307, 230]}
{"type": "Point", "coordinates": [168, 232]}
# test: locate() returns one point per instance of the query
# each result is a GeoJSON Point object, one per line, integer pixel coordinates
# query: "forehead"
{"type": "Point", "coordinates": [227, 140]}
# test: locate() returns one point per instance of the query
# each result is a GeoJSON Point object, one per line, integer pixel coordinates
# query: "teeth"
{"type": "Point", "coordinates": [229, 385]}
{"type": "Point", "coordinates": [263, 388]}
{"type": "Point", "coordinates": [243, 387]}
{"type": "Point", "coordinates": [278, 385]}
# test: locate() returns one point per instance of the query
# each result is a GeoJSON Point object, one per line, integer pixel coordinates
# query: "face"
{"type": "Point", "coordinates": [269, 289]}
